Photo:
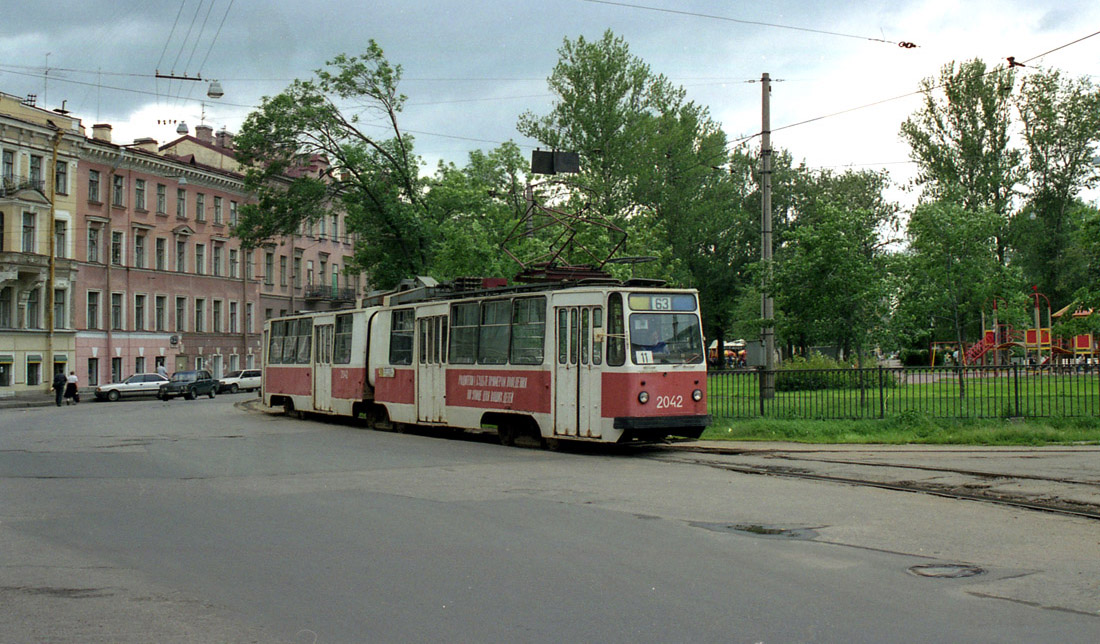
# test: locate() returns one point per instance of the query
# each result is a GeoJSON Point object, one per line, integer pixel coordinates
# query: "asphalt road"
{"type": "Point", "coordinates": [200, 521]}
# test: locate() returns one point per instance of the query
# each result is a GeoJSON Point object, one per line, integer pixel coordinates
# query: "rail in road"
{"type": "Point", "coordinates": [913, 469]}
{"type": "Point", "coordinates": [1071, 495]}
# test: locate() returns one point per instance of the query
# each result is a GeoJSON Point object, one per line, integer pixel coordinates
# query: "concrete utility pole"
{"type": "Point", "coordinates": [767, 306]}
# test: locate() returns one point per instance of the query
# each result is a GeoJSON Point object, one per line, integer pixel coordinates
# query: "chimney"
{"type": "Point", "coordinates": [204, 133]}
{"type": "Point", "coordinates": [225, 139]}
{"type": "Point", "coordinates": [147, 145]}
{"type": "Point", "coordinates": [102, 132]}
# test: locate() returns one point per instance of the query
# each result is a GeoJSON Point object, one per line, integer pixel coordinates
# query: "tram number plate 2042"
{"type": "Point", "coordinates": [669, 402]}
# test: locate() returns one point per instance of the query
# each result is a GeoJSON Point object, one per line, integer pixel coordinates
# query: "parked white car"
{"type": "Point", "coordinates": [139, 384]}
{"type": "Point", "coordinates": [244, 380]}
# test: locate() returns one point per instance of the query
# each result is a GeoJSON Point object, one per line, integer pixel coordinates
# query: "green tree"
{"type": "Point", "coordinates": [951, 272]}
{"type": "Point", "coordinates": [839, 244]}
{"type": "Point", "coordinates": [374, 178]}
{"type": "Point", "coordinates": [961, 143]}
{"type": "Point", "coordinates": [1061, 124]}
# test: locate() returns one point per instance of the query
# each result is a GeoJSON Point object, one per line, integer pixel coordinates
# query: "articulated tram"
{"type": "Point", "coordinates": [600, 361]}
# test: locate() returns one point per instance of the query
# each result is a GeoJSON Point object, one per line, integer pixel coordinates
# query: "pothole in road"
{"type": "Point", "coordinates": [945, 571]}
{"type": "Point", "coordinates": [759, 530]}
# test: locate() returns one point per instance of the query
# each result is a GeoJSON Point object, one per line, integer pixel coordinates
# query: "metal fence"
{"type": "Point", "coordinates": [882, 392]}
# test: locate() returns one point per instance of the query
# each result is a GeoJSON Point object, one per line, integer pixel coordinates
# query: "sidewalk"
{"type": "Point", "coordinates": [37, 398]}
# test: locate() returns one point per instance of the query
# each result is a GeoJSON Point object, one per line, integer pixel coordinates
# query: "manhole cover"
{"type": "Point", "coordinates": [946, 571]}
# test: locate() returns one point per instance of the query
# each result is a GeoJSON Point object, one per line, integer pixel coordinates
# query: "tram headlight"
{"type": "Point", "coordinates": [697, 395]}
{"type": "Point", "coordinates": [643, 397]}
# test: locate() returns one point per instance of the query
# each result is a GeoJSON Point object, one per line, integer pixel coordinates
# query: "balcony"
{"type": "Point", "coordinates": [329, 293]}
{"type": "Point", "coordinates": [12, 185]}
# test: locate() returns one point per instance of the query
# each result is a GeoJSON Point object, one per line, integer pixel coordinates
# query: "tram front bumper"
{"type": "Point", "coordinates": [658, 427]}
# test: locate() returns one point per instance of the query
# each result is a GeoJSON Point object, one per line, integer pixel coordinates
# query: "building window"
{"type": "Point", "coordinates": [309, 273]}
{"type": "Point", "coordinates": [60, 238]}
{"type": "Point", "coordinates": [233, 317]}
{"type": "Point", "coordinates": [139, 250]}
{"type": "Point", "coordinates": [116, 311]}
{"type": "Point", "coordinates": [233, 213]}
{"type": "Point", "coordinates": [139, 364]}
{"type": "Point", "coordinates": [93, 310]}
{"type": "Point", "coordinates": [181, 314]}
{"type": "Point", "coordinates": [233, 257]}
{"type": "Point", "coordinates": [28, 232]}
{"type": "Point", "coordinates": [116, 247]}
{"type": "Point", "coordinates": [269, 268]}
{"type": "Point", "coordinates": [34, 370]}
{"type": "Point", "coordinates": [139, 194]}
{"type": "Point", "coordinates": [161, 253]}
{"type": "Point", "coordinates": [118, 190]}
{"type": "Point", "coordinates": [36, 171]}
{"type": "Point", "coordinates": [34, 320]}
{"type": "Point", "coordinates": [200, 207]}
{"type": "Point", "coordinates": [181, 256]}
{"type": "Point", "coordinates": [93, 186]}
{"type": "Point", "coordinates": [93, 372]}
{"type": "Point", "coordinates": [61, 178]}
{"type": "Point", "coordinates": [248, 264]}
{"type": "Point", "coordinates": [139, 312]}
{"type": "Point", "coordinates": [217, 328]}
{"type": "Point", "coordinates": [162, 199]}
{"type": "Point", "coordinates": [60, 320]}
{"type": "Point", "coordinates": [297, 272]}
{"type": "Point", "coordinates": [181, 203]}
{"type": "Point", "coordinates": [217, 209]}
{"type": "Point", "coordinates": [116, 369]}
{"type": "Point", "coordinates": [6, 294]}
{"type": "Point", "coordinates": [248, 317]}
{"type": "Point", "coordinates": [93, 244]}
{"type": "Point", "coordinates": [160, 305]}
{"type": "Point", "coordinates": [217, 259]}
{"type": "Point", "coordinates": [282, 270]}
{"type": "Point", "coordinates": [200, 315]}
{"type": "Point", "coordinates": [9, 166]}
{"type": "Point", "coordinates": [200, 259]}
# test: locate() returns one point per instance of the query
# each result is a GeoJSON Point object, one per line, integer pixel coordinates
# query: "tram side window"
{"type": "Point", "coordinates": [495, 332]}
{"type": "Point", "coordinates": [290, 343]}
{"type": "Point", "coordinates": [464, 332]}
{"type": "Point", "coordinates": [305, 330]}
{"type": "Point", "coordinates": [528, 330]}
{"type": "Point", "coordinates": [616, 331]}
{"type": "Point", "coordinates": [278, 337]}
{"type": "Point", "coordinates": [401, 337]}
{"type": "Point", "coordinates": [342, 354]}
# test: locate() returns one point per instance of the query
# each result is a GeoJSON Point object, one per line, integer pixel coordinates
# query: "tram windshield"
{"type": "Point", "coordinates": [665, 338]}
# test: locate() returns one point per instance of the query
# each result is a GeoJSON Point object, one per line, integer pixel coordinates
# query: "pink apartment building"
{"type": "Point", "coordinates": [161, 278]}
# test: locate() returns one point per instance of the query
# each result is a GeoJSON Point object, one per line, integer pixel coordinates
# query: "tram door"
{"type": "Point", "coordinates": [577, 373]}
{"type": "Point", "coordinates": [431, 377]}
{"type": "Point", "coordinates": [322, 367]}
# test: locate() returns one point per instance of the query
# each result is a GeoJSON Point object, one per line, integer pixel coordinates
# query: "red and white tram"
{"type": "Point", "coordinates": [605, 362]}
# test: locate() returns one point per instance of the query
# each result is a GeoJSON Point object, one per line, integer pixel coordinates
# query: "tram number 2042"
{"type": "Point", "coordinates": [668, 402]}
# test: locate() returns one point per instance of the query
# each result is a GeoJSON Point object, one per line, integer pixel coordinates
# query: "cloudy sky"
{"type": "Point", "coordinates": [471, 68]}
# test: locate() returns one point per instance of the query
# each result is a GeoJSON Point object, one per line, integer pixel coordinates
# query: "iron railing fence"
{"type": "Point", "coordinates": [1017, 391]}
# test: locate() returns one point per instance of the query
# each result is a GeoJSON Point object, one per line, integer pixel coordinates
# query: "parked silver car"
{"type": "Point", "coordinates": [139, 384]}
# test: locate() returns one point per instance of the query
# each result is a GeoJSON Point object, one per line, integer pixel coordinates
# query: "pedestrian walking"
{"type": "Point", "coordinates": [72, 395]}
{"type": "Point", "coordinates": [59, 382]}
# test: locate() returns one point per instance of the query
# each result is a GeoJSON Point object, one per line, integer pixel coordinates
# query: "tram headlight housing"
{"type": "Point", "coordinates": [643, 397]}
{"type": "Point", "coordinates": [697, 395]}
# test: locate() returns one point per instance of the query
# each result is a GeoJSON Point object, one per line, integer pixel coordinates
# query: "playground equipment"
{"type": "Point", "coordinates": [1039, 346]}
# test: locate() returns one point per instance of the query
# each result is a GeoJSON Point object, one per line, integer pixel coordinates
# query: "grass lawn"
{"type": "Point", "coordinates": [911, 428]}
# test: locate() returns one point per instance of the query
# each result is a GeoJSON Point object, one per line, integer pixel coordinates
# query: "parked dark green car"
{"type": "Point", "coordinates": [189, 384]}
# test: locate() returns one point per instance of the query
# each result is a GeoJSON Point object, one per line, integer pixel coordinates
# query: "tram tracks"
{"type": "Point", "coordinates": [1067, 496]}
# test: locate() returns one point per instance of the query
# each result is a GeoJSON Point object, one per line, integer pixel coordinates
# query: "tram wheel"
{"type": "Point", "coordinates": [507, 434]}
